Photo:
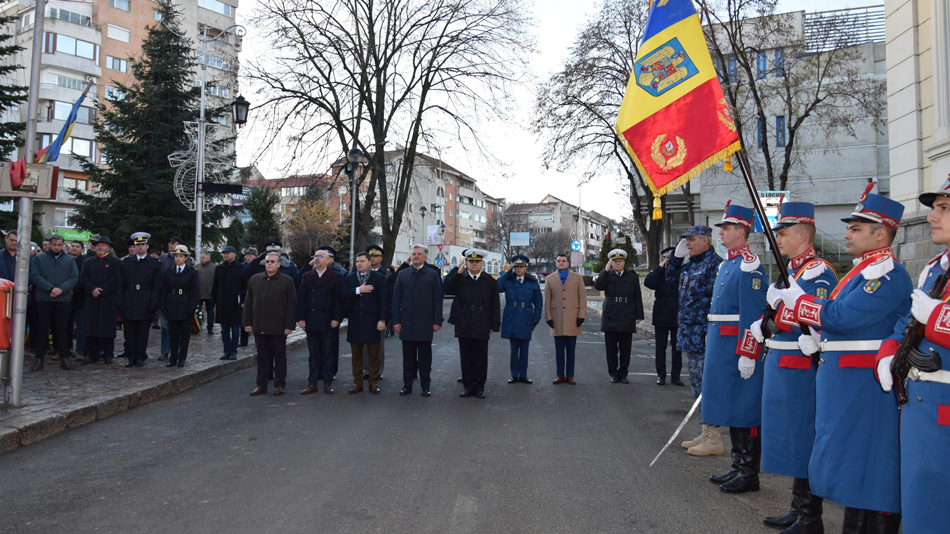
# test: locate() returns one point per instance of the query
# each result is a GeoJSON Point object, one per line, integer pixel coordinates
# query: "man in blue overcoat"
{"type": "Point", "coordinates": [788, 391]}
{"type": "Point", "coordinates": [416, 316]}
{"type": "Point", "coordinates": [856, 457]}
{"type": "Point", "coordinates": [365, 296]}
{"type": "Point", "coordinates": [523, 308]}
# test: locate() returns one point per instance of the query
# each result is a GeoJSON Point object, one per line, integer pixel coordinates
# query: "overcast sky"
{"type": "Point", "coordinates": [557, 24]}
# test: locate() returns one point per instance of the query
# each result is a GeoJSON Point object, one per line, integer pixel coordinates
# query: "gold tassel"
{"type": "Point", "coordinates": [727, 166]}
{"type": "Point", "coordinates": [657, 209]}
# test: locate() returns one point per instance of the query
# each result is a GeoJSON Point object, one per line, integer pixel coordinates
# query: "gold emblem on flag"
{"type": "Point", "coordinates": [725, 115]}
{"type": "Point", "coordinates": [667, 154]}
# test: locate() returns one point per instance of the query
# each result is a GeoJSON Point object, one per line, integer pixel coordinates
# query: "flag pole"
{"type": "Point", "coordinates": [757, 202]}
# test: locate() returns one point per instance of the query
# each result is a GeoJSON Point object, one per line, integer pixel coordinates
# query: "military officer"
{"type": "Point", "coordinates": [179, 295]}
{"type": "Point", "coordinates": [139, 298]}
{"type": "Point", "coordinates": [856, 457]}
{"type": "Point", "coordinates": [925, 419]}
{"type": "Point", "coordinates": [623, 311]}
{"type": "Point", "coordinates": [101, 278]}
{"type": "Point", "coordinates": [732, 391]}
{"type": "Point", "coordinates": [523, 307]}
{"type": "Point", "coordinates": [788, 391]}
{"type": "Point", "coordinates": [375, 253]}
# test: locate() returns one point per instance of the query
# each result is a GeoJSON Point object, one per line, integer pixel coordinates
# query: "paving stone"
{"type": "Point", "coordinates": [81, 416]}
{"type": "Point", "coordinates": [9, 439]}
{"type": "Point", "coordinates": [111, 406]}
{"type": "Point", "coordinates": [42, 428]}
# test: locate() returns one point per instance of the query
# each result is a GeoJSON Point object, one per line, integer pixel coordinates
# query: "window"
{"type": "Point", "coordinates": [158, 16]}
{"type": "Point", "coordinates": [452, 213]}
{"type": "Point", "coordinates": [74, 145]}
{"type": "Point", "coordinates": [218, 7]}
{"type": "Point", "coordinates": [119, 33]}
{"type": "Point", "coordinates": [115, 63]}
{"type": "Point", "coordinates": [63, 218]}
{"type": "Point", "coordinates": [27, 22]}
{"type": "Point", "coordinates": [761, 133]}
{"type": "Point", "coordinates": [731, 68]}
{"type": "Point", "coordinates": [65, 44]}
{"type": "Point", "coordinates": [780, 63]}
{"type": "Point", "coordinates": [219, 119]}
{"type": "Point", "coordinates": [761, 65]}
{"type": "Point", "coordinates": [72, 183]}
{"type": "Point", "coordinates": [213, 61]}
{"type": "Point", "coordinates": [84, 115]}
{"type": "Point", "coordinates": [451, 196]}
{"type": "Point", "coordinates": [780, 130]}
{"type": "Point", "coordinates": [70, 83]}
{"type": "Point", "coordinates": [69, 16]}
{"type": "Point", "coordinates": [113, 93]}
{"type": "Point", "coordinates": [216, 90]}
{"type": "Point", "coordinates": [119, 4]}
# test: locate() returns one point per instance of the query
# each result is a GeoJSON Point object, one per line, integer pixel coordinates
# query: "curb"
{"type": "Point", "coordinates": [110, 403]}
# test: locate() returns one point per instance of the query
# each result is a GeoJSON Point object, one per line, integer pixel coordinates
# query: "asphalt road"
{"type": "Point", "coordinates": [538, 458]}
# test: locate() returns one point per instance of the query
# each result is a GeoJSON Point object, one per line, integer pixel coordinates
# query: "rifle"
{"type": "Point", "coordinates": [913, 335]}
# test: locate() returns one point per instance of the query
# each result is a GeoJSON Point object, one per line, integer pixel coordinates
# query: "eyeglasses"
{"type": "Point", "coordinates": [270, 261]}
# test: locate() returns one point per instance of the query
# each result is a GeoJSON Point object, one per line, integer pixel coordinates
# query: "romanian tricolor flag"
{"type": "Point", "coordinates": [674, 120]}
{"type": "Point", "coordinates": [51, 151]}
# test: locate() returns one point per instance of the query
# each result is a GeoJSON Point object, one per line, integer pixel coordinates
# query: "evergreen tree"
{"type": "Point", "coordinates": [136, 133]}
{"type": "Point", "coordinates": [10, 95]}
{"type": "Point", "coordinates": [609, 245]}
{"type": "Point", "coordinates": [261, 205]}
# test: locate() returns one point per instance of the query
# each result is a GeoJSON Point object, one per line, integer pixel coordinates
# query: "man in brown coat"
{"type": "Point", "coordinates": [270, 308]}
{"type": "Point", "coordinates": [565, 308]}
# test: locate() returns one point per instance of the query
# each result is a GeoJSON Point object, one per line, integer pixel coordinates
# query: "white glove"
{"type": "Point", "coordinates": [884, 373]}
{"type": "Point", "coordinates": [809, 343]}
{"type": "Point", "coordinates": [774, 296]}
{"type": "Point", "coordinates": [791, 295]}
{"type": "Point", "coordinates": [681, 250]}
{"type": "Point", "coordinates": [746, 367]}
{"type": "Point", "coordinates": [756, 331]}
{"type": "Point", "coordinates": [922, 306]}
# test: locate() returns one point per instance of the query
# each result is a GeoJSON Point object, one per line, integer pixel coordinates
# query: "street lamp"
{"type": "Point", "coordinates": [239, 110]}
{"type": "Point", "coordinates": [353, 159]}
{"type": "Point", "coordinates": [425, 234]}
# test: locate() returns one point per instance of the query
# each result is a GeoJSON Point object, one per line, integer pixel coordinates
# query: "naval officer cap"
{"type": "Point", "coordinates": [873, 208]}
{"type": "Point", "coordinates": [141, 238]}
{"type": "Point", "coordinates": [474, 254]}
{"type": "Point", "coordinates": [519, 259]}
{"type": "Point", "coordinates": [617, 253]}
{"type": "Point", "coordinates": [328, 249]}
{"type": "Point", "coordinates": [374, 250]}
{"type": "Point", "coordinates": [273, 246]}
{"type": "Point", "coordinates": [927, 199]}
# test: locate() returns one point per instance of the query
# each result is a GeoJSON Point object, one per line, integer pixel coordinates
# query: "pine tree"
{"type": "Point", "coordinates": [263, 227]}
{"type": "Point", "coordinates": [10, 95]}
{"type": "Point", "coordinates": [608, 245]}
{"type": "Point", "coordinates": [136, 133]}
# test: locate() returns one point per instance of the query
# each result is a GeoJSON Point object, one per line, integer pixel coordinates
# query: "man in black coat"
{"type": "Point", "coordinates": [319, 312]}
{"type": "Point", "coordinates": [623, 310]}
{"type": "Point", "coordinates": [179, 295]}
{"type": "Point", "coordinates": [139, 298]}
{"type": "Point", "coordinates": [365, 297]}
{"type": "Point", "coordinates": [416, 316]}
{"type": "Point", "coordinates": [227, 295]}
{"type": "Point", "coordinates": [100, 278]}
{"type": "Point", "coordinates": [375, 253]}
{"type": "Point", "coordinates": [665, 309]}
{"type": "Point", "coordinates": [478, 316]}
{"type": "Point", "coordinates": [77, 314]}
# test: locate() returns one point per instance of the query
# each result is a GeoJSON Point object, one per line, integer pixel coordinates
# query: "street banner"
{"type": "Point", "coordinates": [433, 237]}
{"type": "Point", "coordinates": [520, 239]}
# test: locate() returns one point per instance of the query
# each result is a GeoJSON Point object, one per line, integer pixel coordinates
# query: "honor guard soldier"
{"type": "Point", "coordinates": [375, 253]}
{"type": "Point", "coordinates": [623, 311]}
{"type": "Point", "coordinates": [856, 457]}
{"type": "Point", "coordinates": [522, 313]}
{"type": "Point", "coordinates": [732, 390]}
{"type": "Point", "coordinates": [788, 391]}
{"type": "Point", "coordinates": [925, 418]}
{"type": "Point", "coordinates": [479, 316]}
{"type": "Point", "coordinates": [139, 298]}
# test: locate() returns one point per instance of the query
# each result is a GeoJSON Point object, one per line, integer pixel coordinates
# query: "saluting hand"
{"type": "Point", "coordinates": [462, 266]}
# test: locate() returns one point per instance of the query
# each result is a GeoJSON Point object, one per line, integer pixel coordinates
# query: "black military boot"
{"type": "Point", "coordinates": [855, 521]}
{"type": "Point", "coordinates": [788, 519]}
{"type": "Point", "coordinates": [883, 523]}
{"type": "Point", "coordinates": [733, 471]}
{"type": "Point", "coordinates": [37, 363]}
{"type": "Point", "coordinates": [750, 459]}
{"type": "Point", "coordinates": [809, 521]}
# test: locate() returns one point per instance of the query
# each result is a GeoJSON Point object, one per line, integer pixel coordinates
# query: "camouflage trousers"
{"type": "Point", "coordinates": [695, 361]}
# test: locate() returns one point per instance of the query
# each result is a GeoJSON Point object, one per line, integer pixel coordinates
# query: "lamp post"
{"type": "Point", "coordinates": [425, 233]}
{"type": "Point", "coordinates": [238, 109]}
{"type": "Point", "coordinates": [353, 159]}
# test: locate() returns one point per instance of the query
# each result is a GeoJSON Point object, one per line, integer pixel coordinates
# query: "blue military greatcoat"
{"type": "Point", "coordinates": [523, 305]}
{"type": "Point", "coordinates": [856, 457]}
{"type": "Point", "coordinates": [788, 391]}
{"type": "Point", "coordinates": [694, 276]}
{"type": "Point", "coordinates": [738, 300]}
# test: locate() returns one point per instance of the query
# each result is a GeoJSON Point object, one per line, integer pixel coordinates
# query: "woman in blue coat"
{"type": "Point", "coordinates": [522, 313]}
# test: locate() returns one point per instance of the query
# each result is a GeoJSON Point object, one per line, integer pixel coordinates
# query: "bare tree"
{"type": "Point", "coordinates": [546, 246]}
{"type": "Point", "coordinates": [378, 73]}
{"type": "Point", "coordinates": [578, 106]}
{"type": "Point", "coordinates": [498, 232]}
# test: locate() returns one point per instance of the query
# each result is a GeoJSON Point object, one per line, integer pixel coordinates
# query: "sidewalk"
{"type": "Point", "coordinates": [55, 400]}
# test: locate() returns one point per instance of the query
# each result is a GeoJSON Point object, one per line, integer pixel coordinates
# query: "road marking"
{"type": "Point", "coordinates": [463, 515]}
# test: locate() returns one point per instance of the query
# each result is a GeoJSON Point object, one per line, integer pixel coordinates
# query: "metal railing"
{"type": "Point", "coordinates": [831, 30]}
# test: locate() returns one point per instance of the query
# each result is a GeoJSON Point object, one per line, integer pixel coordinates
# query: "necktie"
{"type": "Point", "coordinates": [362, 279]}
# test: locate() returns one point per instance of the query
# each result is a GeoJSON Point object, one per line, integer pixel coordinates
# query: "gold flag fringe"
{"type": "Point", "coordinates": [657, 209]}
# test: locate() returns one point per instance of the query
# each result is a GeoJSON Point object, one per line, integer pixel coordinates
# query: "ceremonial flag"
{"type": "Point", "coordinates": [674, 120]}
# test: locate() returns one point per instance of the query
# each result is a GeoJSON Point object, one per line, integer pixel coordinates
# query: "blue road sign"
{"type": "Point", "coordinates": [576, 245]}
{"type": "Point", "coordinates": [440, 262]}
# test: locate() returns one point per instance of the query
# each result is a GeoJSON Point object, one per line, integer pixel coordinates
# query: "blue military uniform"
{"type": "Point", "coordinates": [855, 458]}
{"type": "Point", "coordinates": [523, 307]}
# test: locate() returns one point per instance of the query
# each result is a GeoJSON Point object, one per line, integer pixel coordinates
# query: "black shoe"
{"type": "Point", "coordinates": [156, 327]}
{"type": "Point", "coordinates": [365, 376]}
{"type": "Point", "coordinates": [623, 380]}
{"type": "Point", "coordinates": [513, 380]}
{"type": "Point", "coordinates": [232, 357]}
{"type": "Point", "coordinates": [465, 394]}
{"type": "Point", "coordinates": [380, 377]}
{"type": "Point", "coordinates": [459, 380]}
{"type": "Point", "coordinates": [225, 357]}
{"type": "Point", "coordinates": [426, 393]}
{"type": "Point", "coordinates": [181, 363]}
{"type": "Point", "coordinates": [171, 363]}
{"type": "Point", "coordinates": [725, 477]}
{"type": "Point", "coordinates": [614, 379]}
{"type": "Point", "coordinates": [108, 361]}
{"type": "Point", "coordinates": [130, 364]}
{"type": "Point", "coordinates": [140, 363]}
{"type": "Point", "coordinates": [480, 394]}
{"type": "Point", "coordinates": [661, 380]}
{"type": "Point", "coordinates": [527, 380]}
{"type": "Point", "coordinates": [405, 391]}
{"type": "Point", "coordinates": [677, 382]}
{"type": "Point", "coordinates": [163, 357]}
{"type": "Point", "coordinates": [781, 522]}
{"type": "Point", "coordinates": [741, 484]}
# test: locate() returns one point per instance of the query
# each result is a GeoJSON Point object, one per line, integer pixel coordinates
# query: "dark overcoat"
{"type": "Point", "coordinates": [479, 311]}
{"type": "Point", "coordinates": [623, 304]}
{"type": "Point", "coordinates": [523, 305]}
{"type": "Point", "coordinates": [139, 291]}
{"type": "Point", "coordinates": [665, 298]}
{"type": "Point", "coordinates": [79, 301]}
{"type": "Point", "coordinates": [270, 304]}
{"type": "Point", "coordinates": [365, 310]}
{"type": "Point", "coordinates": [102, 311]}
{"type": "Point", "coordinates": [318, 300]}
{"type": "Point", "coordinates": [227, 293]}
{"type": "Point", "coordinates": [417, 303]}
{"type": "Point", "coordinates": [179, 294]}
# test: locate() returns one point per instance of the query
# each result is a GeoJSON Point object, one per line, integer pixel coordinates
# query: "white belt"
{"type": "Point", "coordinates": [937, 376]}
{"type": "Point", "coordinates": [781, 345]}
{"type": "Point", "coordinates": [850, 346]}
{"type": "Point", "coordinates": [723, 318]}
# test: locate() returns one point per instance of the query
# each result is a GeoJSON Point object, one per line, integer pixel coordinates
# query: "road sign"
{"type": "Point", "coordinates": [440, 262]}
{"type": "Point", "coordinates": [576, 245]}
{"type": "Point", "coordinates": [577, 259]}
{"type": "Point", "coordinates": [440, 249]}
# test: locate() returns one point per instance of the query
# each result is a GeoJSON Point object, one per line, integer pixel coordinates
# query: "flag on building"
{"type": "Point", "coordinates": [674, 120]}
{"type": "Point", "coordinates": [51, 152]}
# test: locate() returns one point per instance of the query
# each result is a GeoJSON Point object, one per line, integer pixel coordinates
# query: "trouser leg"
{"type": "Point", "coordinates": [515, 358]}
{"type": "Point", "coordinates": [661, 335]}
{"type": "Point", "coordinates": [279, 350]}
{"type": "Point", "coordinates": [174, 340]}
{"type": "Point", "coordinates": [570, 344]}
{"type": "Point", "coordinates": [334, 353]}
{"type": "Point", "coordinates": [479, 371]}
{"type": "Point", "coordinates": [42, 322]}
{"type": "Point", "coordinates": [265, 360]}
{"type": "Point", "coordinates": [374, 362]}
{"type": "Point", "coordinates": [560, 347]}
{"type": "Point", "coordinates": [80, 316]}
{"type": "Point", "coordinates": [409, 362]}
{"type": "Point", "coordinates": [676, 356]}
{"type": "Point", "coordinates": [209, 314]}
{"type": "Point", "coordinates": [696, 360]}
{"type": "Point", "coordinates": [357, 367]}
{"type": "Point", "coordinates": [624, 344]}
{"type": "Point", "coordinates": [315, 357]}
{"type": "Point", "coordinates": [611, 339]}
{"type": "Point", "coordinates": [164, 322]}
{"type": "Point", "coordinates": [184, 336]}
{"type": "Point", "coordinates": [425, 363]}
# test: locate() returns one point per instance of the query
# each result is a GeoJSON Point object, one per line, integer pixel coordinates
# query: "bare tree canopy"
{"type": "Point", "coordinates": [498, 232]}
{"type": "Point", "coordinates": [547, 245]}
{"type": "Point", "coordinates": [385, 74]}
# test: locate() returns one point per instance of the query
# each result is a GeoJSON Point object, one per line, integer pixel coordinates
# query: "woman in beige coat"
{"type": "Point", "coordinates": [565, 309]}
